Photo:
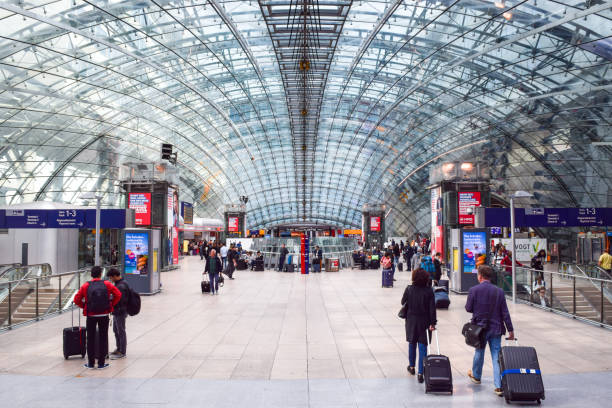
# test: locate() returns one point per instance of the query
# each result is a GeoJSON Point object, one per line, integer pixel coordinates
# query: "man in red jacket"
{"type": "Point", "coordinates": [97, 298]}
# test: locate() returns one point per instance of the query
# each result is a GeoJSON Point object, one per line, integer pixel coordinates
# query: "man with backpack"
{"type": "Point", "coordinates": [97, 298]}
{"type": "Point", "coordinates": [120, 313]}
{"type": "Point", "coordinates": [428, 265]}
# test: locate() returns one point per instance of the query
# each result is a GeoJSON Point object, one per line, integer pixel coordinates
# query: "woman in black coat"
{"type": "Point", "coordinates": [420, 316]}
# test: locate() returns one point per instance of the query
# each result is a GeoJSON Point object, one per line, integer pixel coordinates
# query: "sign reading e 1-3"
{"type": "Point", "coordinates": [550, 217]}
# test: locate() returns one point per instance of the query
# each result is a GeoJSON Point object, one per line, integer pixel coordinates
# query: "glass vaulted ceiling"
{"type": "Point", "coordinates": [524, 85]}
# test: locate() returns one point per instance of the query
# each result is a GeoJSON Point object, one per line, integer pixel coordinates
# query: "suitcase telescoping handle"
{"type": "Point", "coordinates": [428, 341]}
{"type": "Point", "coordinates": [516, 343]}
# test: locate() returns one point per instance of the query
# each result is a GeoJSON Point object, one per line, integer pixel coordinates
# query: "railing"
{"type": "Point", "coordinates": [19, 274]}
{"type": "Point", "coordinates": [31, 298]}
{"type": "Point", "coordinates": [571, 292]}
{"type": "Point", "coordinates": [6, 267]}
{"type": "Point", "coordinates": [271, 259]}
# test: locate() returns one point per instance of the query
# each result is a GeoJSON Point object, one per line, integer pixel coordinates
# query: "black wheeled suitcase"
{"type": "Point", "coordinates": [437, 371]}
{"type": "Point", "coordinates": [400, 266]}
{"type": "Point", "coordinates": [521, 376]}
{"type": "Point", "coordinates": [443, 283]}
{"type": "Point", "coordinates": [75, 339]}
{"type": "Point", "coordinates": [205, 285]}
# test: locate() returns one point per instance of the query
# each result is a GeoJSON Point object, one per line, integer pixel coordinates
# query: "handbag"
{"type": "Point", "coordinates": [474, 334]}
{"type": "Point", "coordinates": [403, 312]}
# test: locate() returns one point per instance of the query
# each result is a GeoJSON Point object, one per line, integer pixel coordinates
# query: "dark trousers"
{"type": "Point", "coordinates": [119, 330]}
{"type": "Point", "coordinates": [281, 263]}
{"type": "Point", "coordinates": [97, 343]}
{"type": "Point", "coordinates": [214, 282]}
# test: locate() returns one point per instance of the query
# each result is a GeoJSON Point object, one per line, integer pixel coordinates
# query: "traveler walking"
{"type": "Point", "coordinates": [415, 261]}
{"type": "Point", "coordinates": [487, 304]}
{"type": "Point", "coordinates": [213, 267]}
{"type": "Point", "coordinates": [387, 265]}
{"type": "Point", "coordinates": [281, 258]}
{"type": "Point", "coordinates": [318, 257]}
{"type": "Point", "coordinates": [97, 298]}
{"type": "Point", "coordinates": [396, 258]}
{"type": "Point", "coordinates": [537, 262]}
{"type": "Point", "coordinates": [420, 318]}
{"type": "Point", "coordinates": [120, 313]}
{"type": "Point", "coordinates": [605, 261]}
{"type": "Point", "coordinates": [232, 261]}
{"type": "Point", "coordinates": [223, 252]}
{"type": "Point", "coordinates": [438, 268]}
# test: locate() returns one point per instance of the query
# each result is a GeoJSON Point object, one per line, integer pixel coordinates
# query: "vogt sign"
{"type": "Point", "coordinates": [526, 248]}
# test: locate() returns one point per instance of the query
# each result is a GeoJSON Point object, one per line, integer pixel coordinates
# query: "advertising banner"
{"type": "Point", "coordinates": [474, 250]}
{"type": "Point", "coordinates": [187, 212]}
{"type": "Point", "coordinates": [232, 224]}
{"type": "Point", "coordinates": [467, 199]}
{"type": "Point", "coordinates": [175, 247]}
{"type": "Point", "coordinates": [136, 253]}
{"type": "Point", "coordinates": [170, 205]}
{"type": "Point", "coordinates": [526, 248]}
{"type": "Point", "coordinates": [141, 204]}
{"type": "Point", "coordinates": [374, 224]}
{"type": "Point", "coordinates": [437, 230]}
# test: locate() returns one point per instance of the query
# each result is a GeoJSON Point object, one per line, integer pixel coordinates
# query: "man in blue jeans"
{"type": "Point", "coordinates": [487, 303]}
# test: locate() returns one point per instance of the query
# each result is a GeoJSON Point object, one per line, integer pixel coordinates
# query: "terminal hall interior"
{"type": "Point", "coordinates": [339, 157]}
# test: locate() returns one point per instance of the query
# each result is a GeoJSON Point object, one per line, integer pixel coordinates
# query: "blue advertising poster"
{"type": "Point", "coordinates": [137, 253]}
{"type": "Point", "coordinates": [474, 250]}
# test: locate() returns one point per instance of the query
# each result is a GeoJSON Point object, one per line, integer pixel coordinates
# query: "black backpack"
{"type": "Point", "coordinates": [133, 303]}
{"type": "Point", "coordinates": [98, 301]}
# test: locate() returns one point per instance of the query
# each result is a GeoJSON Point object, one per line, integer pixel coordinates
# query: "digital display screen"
{"type": "Point", "coordinates": [474, 250]}
{"type": "Point", "coordinates": [232, 224]}
{"type": "Point", "coordinates": [137, 253]}
{"type": "Point", "coordinates": [374, 223]}
{"type": "Point", "coordinates": [141, 204]}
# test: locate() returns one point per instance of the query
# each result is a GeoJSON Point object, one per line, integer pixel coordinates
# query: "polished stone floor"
{"type": "Point", "coordinates": [279, 339]}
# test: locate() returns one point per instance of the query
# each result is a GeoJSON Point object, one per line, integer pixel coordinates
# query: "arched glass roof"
{"type": "Point", "coordinates": [394, 87]}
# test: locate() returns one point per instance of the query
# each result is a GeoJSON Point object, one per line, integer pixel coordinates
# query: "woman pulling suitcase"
{"type": "Point", "coordinates": [418, 301]}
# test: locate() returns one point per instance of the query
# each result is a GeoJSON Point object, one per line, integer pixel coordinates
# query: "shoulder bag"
{"type": "Point", "coordinates": [474, 334]}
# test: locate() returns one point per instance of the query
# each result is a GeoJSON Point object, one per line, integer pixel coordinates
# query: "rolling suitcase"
{"type": "Point", "coordinates": [437, 370]}
{"type": "Point", "coordinates": [443, 283]}
{"type": "Point", "coordinates": [75, 339]}
{"type": "Point", "coordinates": [441, 297]}
{"type": "Point", "coordinates": [289, 268]}
{"type": "Point", "coordinates": [520, 374]}
{"type": "Point", "coordinates": [400, 266]}
{"type": "Point", "coordinates": [205, 285]}
{"type": "Point", "coordinates": [387, 278]}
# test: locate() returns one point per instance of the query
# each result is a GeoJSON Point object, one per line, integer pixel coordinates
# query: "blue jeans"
{"type": "Point", "coordinates": [224, 259]}
{"type": "Point", "coordinates": [494, 341]}
{"type": "Point", "coordinates": [412, 355]}
{"type": "Point", "coordinates": [214, 282]}
{"type": "Point", "coordinates": [393, 267]}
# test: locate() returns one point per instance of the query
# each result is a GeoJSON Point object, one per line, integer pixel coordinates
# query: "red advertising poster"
{"type": "Point", "coordinates": [232, 224]}
{"type": "Point", "coordinates": [465, 202]}
{"type": "Point", "coordinates": [374, 223]}
{"type": "Point", "coordinates": [175, 248]}
{"type": "Point", "coordinates": [141, 203]}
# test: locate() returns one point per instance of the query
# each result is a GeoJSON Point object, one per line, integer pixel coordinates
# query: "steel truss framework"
{"type": "Point", "coordinates": [392, 88]}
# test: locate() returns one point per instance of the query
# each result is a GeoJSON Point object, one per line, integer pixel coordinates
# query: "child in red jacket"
{"type": "Point", "coordinates": [97, 298]}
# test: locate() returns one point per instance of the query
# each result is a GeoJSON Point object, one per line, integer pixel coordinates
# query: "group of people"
{"type": "Point", "coordinates": [100, 299]}
{"type": "Point", "coordinates": [219, 259]}
{"type": "Point", "coordinates": [485, 301]}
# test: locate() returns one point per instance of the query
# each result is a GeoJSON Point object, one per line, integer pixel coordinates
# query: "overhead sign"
{"type": "Point", "coordinates": [232, 224]}
{"type": "Point", "coordinates": [550, 217]}
{"type": "Point", "coordinates": [466, 201]}
{"type": "Point", "coordinates": [68, 218]}
{"type": "Point", "coordinates": [187, 212]}
{"type": "Point", "coordinates": [374, 224]}
{"type": "Point", "coordinates": [141, 204]}
{"type": "Point", "coordinates": [352, 232]}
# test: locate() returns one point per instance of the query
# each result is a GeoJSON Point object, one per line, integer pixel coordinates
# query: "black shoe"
{"type": "Point", "coordinates": [420, 378]}
{"type": "Point", "coordinates": [411, 370]}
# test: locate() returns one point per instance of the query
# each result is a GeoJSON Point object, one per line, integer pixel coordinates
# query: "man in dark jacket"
{"type": "Point", "coordinates": [318, 257]}
{"type": "Point", "coordinates": [97, 298]}
{"type": "Point", "coordinates": [232, 261]}
{"type": "Point", "coordinates": [213, 267]}
{"type": "Point", "coordinates": [483, 300]}
{"type": "Point", "coordinates": [119, 314]}
{"type": "Point", "coordinates": [281, 258]}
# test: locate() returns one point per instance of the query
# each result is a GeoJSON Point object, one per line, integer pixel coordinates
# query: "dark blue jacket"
{"type": "Point", "coordinates": [479, 301]}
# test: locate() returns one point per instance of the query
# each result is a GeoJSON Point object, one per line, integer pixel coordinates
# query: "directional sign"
{"type": "Point", "coordinates": [550, 217]}
{"type": "Point", "coordinates": [66, 218]}
{"type": "Point", "coordinates": [26, 218]}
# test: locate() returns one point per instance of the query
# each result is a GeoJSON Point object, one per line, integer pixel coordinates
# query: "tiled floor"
{"type": "Point", "coordinates": [292, 331]}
